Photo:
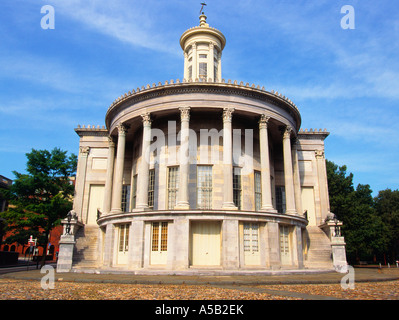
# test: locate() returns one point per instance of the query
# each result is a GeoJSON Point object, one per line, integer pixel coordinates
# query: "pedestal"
{"type": "Point", "coordinates": [65, 255]}
{"type": "Point", "coordinates": [67, 244]}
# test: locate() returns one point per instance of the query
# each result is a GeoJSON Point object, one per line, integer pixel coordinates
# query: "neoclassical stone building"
{"type": "Point", "coordinates": [201, 175]}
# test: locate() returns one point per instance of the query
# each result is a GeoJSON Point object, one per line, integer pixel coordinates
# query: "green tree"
{"type": "Point", "coordinates": [340, 187]}
{"type": "Point", "coordinates": [387, 207]}
{"type": "Point", "coordinates": [40, 198]}
{"type": "Point", "coordinates": [364, 230]}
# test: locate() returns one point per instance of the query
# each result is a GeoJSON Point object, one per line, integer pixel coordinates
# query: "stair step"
{"type": "Point", "coordinates": [86, 247]}
{"type": "Point", "coordinates": [319, 249]}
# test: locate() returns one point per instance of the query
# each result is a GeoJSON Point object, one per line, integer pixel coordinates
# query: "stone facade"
{"type": "Point", "coordinates": [202, 175]}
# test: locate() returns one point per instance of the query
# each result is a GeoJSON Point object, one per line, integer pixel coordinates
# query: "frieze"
{"type": "Point", "coordinates": [228, 88]}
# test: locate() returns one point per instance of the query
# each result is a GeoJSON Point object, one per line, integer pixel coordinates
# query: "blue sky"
{"type": "Point", "coordinates": [344, 80]}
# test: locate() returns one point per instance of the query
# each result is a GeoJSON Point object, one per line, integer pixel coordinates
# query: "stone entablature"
{"type": "Point", "coordinates": [171, 95]}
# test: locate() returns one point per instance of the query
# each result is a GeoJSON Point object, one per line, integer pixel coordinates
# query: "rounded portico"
{"type": "Point", "coordinates": [202, 173]}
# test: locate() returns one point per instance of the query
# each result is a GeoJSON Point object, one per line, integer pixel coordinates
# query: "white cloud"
{"type": "Point", "coordinates": [125, 21]}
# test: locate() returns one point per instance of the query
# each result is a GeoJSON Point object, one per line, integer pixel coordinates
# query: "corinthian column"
{"type": "Point", "coordinates": [265, 165]}
{"type": "Point", "coordinates": [120, 162]}
{"type": "Point", "coordinates": [228, 202]}
{"type": "Point", "coordinates": [288, 173]}
{"type": "Point", "coordinates": [110, 175]}
{"type": "Point", "coordinates": [182, 203]}
{"type": "Point", "coordinates": [144, 167]}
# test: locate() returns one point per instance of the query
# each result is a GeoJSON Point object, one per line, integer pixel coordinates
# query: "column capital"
{"type": "Point", "coordinates": [111, 142]}
{"type": "Point", "coordinates": [263, 121]}
{"type": "Point", "coordinates": [228, 114]}
{"type": "Point", "coordinates": [146, 119]}
{"type": "Point", "coordinates": [84, 151]}
{"type": "Point", "coordinates": [319, 154]}
{"type": "Point", "coordinates": [122, 128]}
{"type": "Point", "coordinates": [287, 132]}
{"type": "Point", "coordinates": [185, 113]}
{"type": "Point", "coordinates": [211, 45]}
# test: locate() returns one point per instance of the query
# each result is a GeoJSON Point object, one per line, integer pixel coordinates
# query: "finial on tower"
{"type": "Point", "coordinates": [203, 4]}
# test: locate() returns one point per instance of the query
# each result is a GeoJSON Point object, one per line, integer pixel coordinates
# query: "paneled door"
{"type": "Point", "coordinates": [123, 243]}
{"type": "Point", "coordinates": [96, 199]}
{"type": "Point", "coordinates": [307, 196]}
{"type": "Point", "coordinates": [205, 243]}
{"type": "Point", "coordinates": [250, 236]}
{"type": "Point", "coordinates": [285, 245]}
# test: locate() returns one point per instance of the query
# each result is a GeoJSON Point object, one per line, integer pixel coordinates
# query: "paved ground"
{"type": "Point", "coordinates": [369, 284]}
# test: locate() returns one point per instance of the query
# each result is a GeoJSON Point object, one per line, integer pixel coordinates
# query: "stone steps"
{"type": "Point", "coordinates": [319, 249]}
{"type": "Point", "coordinates": [86, 248]}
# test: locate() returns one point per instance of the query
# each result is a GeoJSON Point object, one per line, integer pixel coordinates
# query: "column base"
{"type": "Point", "coordinates": [140, 209]}
{"type": "Point", "coordinates": [229, 206]}
{"type": "Point", "coordinates": [291, 212]}
{"type": "Point", "coordinates": [268, 209]}
{"type": "Point", "coordinates": [115, 211]}
{"type": "Point", "coordinates": [182, 206]}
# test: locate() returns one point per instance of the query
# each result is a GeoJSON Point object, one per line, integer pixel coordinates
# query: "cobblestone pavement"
{"type": "Point", "coordinates": [11, 289]}
{"type": "Point", "coordinates": [31, 290]}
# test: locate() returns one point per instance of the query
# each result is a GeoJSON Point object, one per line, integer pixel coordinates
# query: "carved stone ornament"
{"type": "Point", "coordinates": [263, 121]}
{"type": "Point", "coordinates": [84, 151]}
{"type": "Point", "coordinates": [122, 129]}
{"type": "Point", "coordinates": [111, 142]}
{"type": "Point", "coordinates": [228, 114]}
{"type": "Point", "coordinates": [287, 132]}
{"type": "Point", "coordinates": [146, 119]}
{"type": "Point", "coordinates": [184, 113]}
{"type": "Point", "coordinates": [319, 154]}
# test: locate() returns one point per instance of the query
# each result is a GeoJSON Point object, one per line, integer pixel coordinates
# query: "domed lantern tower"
{"type": "Point", "coordinates": [202, 47]}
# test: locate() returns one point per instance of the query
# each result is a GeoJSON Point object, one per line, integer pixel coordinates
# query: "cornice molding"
{"type": "Point", "coordinates": [186, 87]}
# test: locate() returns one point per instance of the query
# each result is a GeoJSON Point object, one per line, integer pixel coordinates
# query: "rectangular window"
{"type": "Point", "coordinates": [173, 186]}
{"type": "Point", "coordinates": [280, 199]}
{"type": "Point", "coordinates": [164, 236]}
{"type": "Point", "coordinates": [216, 68]}
{"type": "Point", "coordinates": [134, 191]}
{"type": "Point", "coordinates": [251, 235]}
{"type": "Point", "coordinates": [203, 56]}
{"type": "Point", "coordinates": [125, 198]}
{"type": "Point", "coordinates": [123, 237]}
{"type": "Point", "coordinates": [258, 190]}
{"type": "Point", "coordinates": [151, 184]}
{"type": "Point", "coordinates": [190, 72]}
{"type": "Point", "coordinates": [237, 187]}
{"type": "Point", "coordinates": [159, 236]}
{"type": "Point", "coordinates": [204, 187]}
{"type": "Point", "coordinates": [203, 70]}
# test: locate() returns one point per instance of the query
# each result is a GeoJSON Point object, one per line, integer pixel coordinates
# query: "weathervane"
{"type": "Point", "coordinates": [203, 5]}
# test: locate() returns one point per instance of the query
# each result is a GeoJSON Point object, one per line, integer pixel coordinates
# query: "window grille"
{"type": "Point", "coordinates": [173, 186]}
{"type": "Point", "coordinates": [258, 190]}
{"type": "Point", "coordinates": [125, 198]}
{"type": "Point", "coordinates": [204, 187]}
{"type": "Point", "coordinates": [280, 199]}
{"type": "Point", "coordinates": [151, 184]}
{"type": "Point", "coordinates": [237, 187]}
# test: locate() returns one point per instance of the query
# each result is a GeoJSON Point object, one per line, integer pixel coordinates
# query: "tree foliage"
{"type": "Point", "coordinates": [40, 198]}
{"type": "Point", "coordinates": [367, 226]}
